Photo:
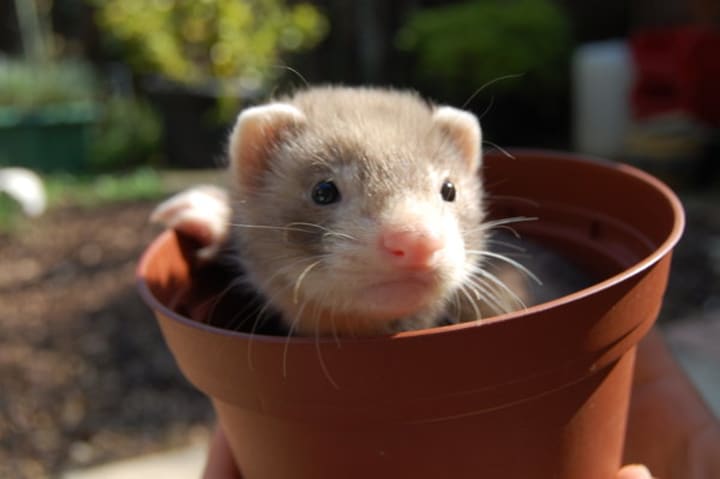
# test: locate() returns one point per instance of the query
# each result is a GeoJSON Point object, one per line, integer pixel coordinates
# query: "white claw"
{"type": "Point", "coordinates": [202, 213]}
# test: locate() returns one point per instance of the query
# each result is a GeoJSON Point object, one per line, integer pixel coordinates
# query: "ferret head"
{"type": "Point", "coordinates": [355, 208]}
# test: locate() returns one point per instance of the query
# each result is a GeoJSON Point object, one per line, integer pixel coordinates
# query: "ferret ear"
{"type": "Point", "coordinates": [464, 131]}
{"type": "Point", "coordinates": [256, 132]}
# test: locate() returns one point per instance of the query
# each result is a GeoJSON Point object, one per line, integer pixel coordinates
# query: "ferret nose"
{"type": "Point", "coordinates": [411, 249]}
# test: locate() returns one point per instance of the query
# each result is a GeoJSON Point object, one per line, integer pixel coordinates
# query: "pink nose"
{"type": "Point", "coordinates": [411, 249]}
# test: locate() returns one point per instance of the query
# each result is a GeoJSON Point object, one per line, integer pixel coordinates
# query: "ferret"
{"type": "Point", "coordinates": [353, 212]}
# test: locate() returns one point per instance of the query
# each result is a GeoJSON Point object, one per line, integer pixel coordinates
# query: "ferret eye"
{"type": "Point", "coordinates": [325, 193]}
{"type": "Point", "coordinates": [448, 191]}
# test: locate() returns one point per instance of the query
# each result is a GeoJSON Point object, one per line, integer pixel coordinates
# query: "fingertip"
{"type": "Point", "coordinates": [634, 471]}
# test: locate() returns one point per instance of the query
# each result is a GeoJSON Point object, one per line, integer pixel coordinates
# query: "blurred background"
{"type": "Point", "coordinates": [107, 106]}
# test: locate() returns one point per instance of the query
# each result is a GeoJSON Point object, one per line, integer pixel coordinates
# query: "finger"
{"type": "Point", "coordinates": [220, 462]}
{"type": "Point", "coordinates": [634, 471]}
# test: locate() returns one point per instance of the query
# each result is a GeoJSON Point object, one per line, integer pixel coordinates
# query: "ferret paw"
{"type": "Point", "coordinates": [201, 213]}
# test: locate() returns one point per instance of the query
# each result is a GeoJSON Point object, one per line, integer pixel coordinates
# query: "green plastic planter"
{"type": "Point", "coordinates": [54, 138]}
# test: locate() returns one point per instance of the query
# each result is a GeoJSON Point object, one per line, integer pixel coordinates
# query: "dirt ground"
{"type": "Point", "coordinates": [85, 376]}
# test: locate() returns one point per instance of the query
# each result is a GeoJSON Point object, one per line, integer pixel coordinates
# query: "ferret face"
{"type": "Point", "coordinates": [355, 208]}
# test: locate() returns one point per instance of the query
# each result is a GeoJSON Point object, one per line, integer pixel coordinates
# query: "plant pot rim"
{"type": "Point", "coordinates": [657, 254]}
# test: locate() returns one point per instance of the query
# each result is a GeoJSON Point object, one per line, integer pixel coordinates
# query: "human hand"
{"type": "Point", "coordinates": [220, 463]}
{"type": "Point", "coordinates": [670, 428]}
{"type": "Point", "coordinates": [634, 471]}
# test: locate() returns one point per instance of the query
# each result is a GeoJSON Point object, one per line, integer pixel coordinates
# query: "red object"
{"type": "Point", "coordinates": [677, 69]}
{"type": "Point", "coordinates": [540, 393]}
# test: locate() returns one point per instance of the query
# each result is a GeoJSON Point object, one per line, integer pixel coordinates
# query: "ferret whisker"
{"type": "Point", "coordinates": [495, 280]}
{"type": "Point", "coordinates": [255, 315]}
{"type": "Point", "coordinates": [269, 301]}
{"type": "Point", "coordinates": [282, 260]}
{"type": "Point", "coordinates": [455, 300]}
{"type": "Point", "coordinates": [510, 230]}
{"type": "Point", "coordinates": [331, 234]}
{"type": "Point", "coordinates": [239, 317]}
{"type": "Point", "coordinates": [315, 225]}
{"type": "Point", "coordinates": [333, 326]}
{"type": "Point", "coordinates": [486, 294]}
{"type": "Point", "coordinates": [459, 304]}
{"type": "Point", "coordinates": [327, 231]}
{"type": "Point", "coordinates": [473, 287]}
{"type": "Point", "coordinates": [489, 225]}
{"type": "Point", "coordinates": [487, 84]}
{"type": "Point", "coordinates": [501, 149]}
{"type": "Point", "coordinates": [213, 301]}
{"type": "Point", "coordinates": [517, 265]}
{"type": "Point", "coordinates": [293, 71]}
{"type": "Point", "coordinates": [301, 277]}
{"type": "Point", "coordinates": [321, 360]}
{"type": "Point", "coordinates": [473, 304]}
{"type": "Point", "coordinates": [238, 282]}
{"type": "Point", "coordinates": [285, 268]}
{"type": "Point", "coordinates": [507, 244]}
{"type": "Point", "coordinates": [253, 331]}
{"type": "Point", "coordinates": [297, 227]}
{"type": "Point", "coordinates": [490, 104]}
{"type": "Point", "coordinates": [270, 228]}
{"type": "Point", "coordinates": [494, 301]}
{"type": "Point", "coordinates": [294, 324]}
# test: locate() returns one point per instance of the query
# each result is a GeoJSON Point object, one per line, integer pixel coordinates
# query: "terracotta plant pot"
{"type": "Point", "coordinates": [541, 393]}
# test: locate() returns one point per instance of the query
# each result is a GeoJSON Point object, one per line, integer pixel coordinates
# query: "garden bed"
{"type": "Point", "coordinates": [84, 373]}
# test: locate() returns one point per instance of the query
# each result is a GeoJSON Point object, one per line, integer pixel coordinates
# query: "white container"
{"type": "Point", "coordinates": [602, 79]}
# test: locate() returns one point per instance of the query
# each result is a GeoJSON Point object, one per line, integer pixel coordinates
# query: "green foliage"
{"type": "Point", "coordinates": [89, 191]}
{"type": "Point", "coordinates": [237, 43]}
{"type": "Point", "coordinates": [126, 134]}
{"type": "Point", "coordinates": [28, 86]}
{"type": "Point", "coordinates": [10, 213]}
{"type": "Point", "coordinates": [123, 131]}
{"type": "Point", "coordinates": [98, 190]}
{"type": "Point", "coordinates": [475, 42]}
